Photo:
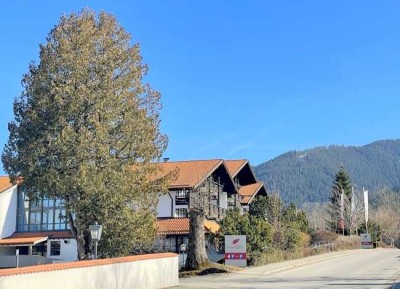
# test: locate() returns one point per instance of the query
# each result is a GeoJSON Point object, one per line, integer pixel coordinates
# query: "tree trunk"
{"type": "Point", "coordinates": [79, 237]}
{"type": "Point", "coordinates": [197, 256]}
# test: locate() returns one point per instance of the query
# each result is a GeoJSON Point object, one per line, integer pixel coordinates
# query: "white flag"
{"type": "Point", "coordinates": [366, 205]}
{"type": "Point", "coordinates": [341, 205]}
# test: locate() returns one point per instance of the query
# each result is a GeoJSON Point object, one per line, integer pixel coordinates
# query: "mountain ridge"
{"type": "Point", "coordinates": [307, 175]}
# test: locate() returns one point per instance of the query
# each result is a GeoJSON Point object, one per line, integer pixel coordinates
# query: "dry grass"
{"type": "Point", "coordinates": [211, 268]}
{"type": "Point", "coordinates": [323, 236]}
{"type": "Point", "coordinates": [347, 243]}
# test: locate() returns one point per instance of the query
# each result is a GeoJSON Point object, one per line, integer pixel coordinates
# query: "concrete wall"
{"type": "Point", "coordinates": [8, 212]}
{"type": "Point", "coordinates": [23, 260]}
{"type": "Point", "coordinates": [139, 272]}
{"type": "Point", "coordinates": [7, 251]}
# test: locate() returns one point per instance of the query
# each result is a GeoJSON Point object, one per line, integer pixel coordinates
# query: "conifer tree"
{"type": "Point", "coordinates": [341, 194]}
{"type": "Point", "coordinates": [86, 130]}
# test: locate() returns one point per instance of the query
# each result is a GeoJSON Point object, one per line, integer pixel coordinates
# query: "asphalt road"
{"type": "Point", "coordinates": [377, 268]}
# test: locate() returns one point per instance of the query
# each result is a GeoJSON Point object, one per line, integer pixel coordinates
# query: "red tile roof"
{"type": "Point", "coordinates": [180, 226]}
{"type": "Point", "coordinates": [190, 174]}
{"type": "Point", "coordinates": [29, 237]}
{"type": "Point", "coordinates": [22, 241]}
{"type": "Point", "coordinates": [173, 226]}
{"type": "Point", "coordinates": [249, 191]}
{"type": "Point", "coordinates": [234, 166]}
{"type": "Point", "coordinates": [5, 183]}
{"type": "Point", "coordinates": [82, 264]}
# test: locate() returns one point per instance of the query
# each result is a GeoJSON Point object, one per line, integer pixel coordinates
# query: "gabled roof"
{"type": "Point", "coordinates": [190, 174]}
{"type": "Point", "coordinates": [234, 166]}
{"type": "Point", "coordinates": [5, 183]}
{"type": "Point", "coordinates": [180, 226]}
{"type": "Point", "coordinates": [250, 191]}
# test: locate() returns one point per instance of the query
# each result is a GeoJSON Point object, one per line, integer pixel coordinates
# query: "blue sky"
{"type": "Point", "coordinates": [242, 79]}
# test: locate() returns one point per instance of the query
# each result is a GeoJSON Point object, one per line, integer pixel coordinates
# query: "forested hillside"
{"type": "Point", "coordinates": [307, 176]}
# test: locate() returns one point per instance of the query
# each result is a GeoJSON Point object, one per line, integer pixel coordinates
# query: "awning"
{"type": "Point", "coordinates": [211, 226]}
{"type": "Point", "coordinates": [27, 241]}
{"type": "Point", "coordinates": [32, 238]}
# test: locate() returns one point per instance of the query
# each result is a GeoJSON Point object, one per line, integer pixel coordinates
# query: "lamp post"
{"type": "Point", "coordinates": [95, 232]}
{"type": "Point", "coordinates": [183, 250]}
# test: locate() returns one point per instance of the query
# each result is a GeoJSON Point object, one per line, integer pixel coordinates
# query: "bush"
{"type": "Point", "coordinates": [305, 240]}
{"type": "Point", "coordinates": [272, 256]}
{"type": "Point", "coordinates": [323, 236]}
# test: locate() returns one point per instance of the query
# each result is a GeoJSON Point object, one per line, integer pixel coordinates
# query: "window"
{"type": "Point", "coordinates": [181, 213]}
{"type": "Point", "coordinates": [55, 248]}
{"type": "Point", "coordinates": [231, 202]}
{"type": "Point", "coordinates": [40, 249]}
{"type": "Point", "coordinates": [40, 214]}
{"type": "Point", "coordinates": [182, 198]}
{"type": "Point", "coordinates": [182, 194]}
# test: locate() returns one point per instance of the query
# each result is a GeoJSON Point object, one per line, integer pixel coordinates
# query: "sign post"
{"type": "Point", "coordinates": [366, 242]}
{"type": "Point", "coordinates": [235, 250]}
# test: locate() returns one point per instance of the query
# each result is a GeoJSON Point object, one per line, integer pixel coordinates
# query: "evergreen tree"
{"type": "Point", "coordinates": [339, 207]}
{"type": "Point", "coordinates": [268, 208]}
{"type": "Point", "coordinates": [287, 223]}
{"type": "Point", "coordinates": [86, 130]}
{"type": "Point", "coordinates": [258, 232]}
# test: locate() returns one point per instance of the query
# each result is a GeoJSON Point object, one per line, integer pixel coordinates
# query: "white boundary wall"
{"type": "Point", "coordinates": [161, 271]}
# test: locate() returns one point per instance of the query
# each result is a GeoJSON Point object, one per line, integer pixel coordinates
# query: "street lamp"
{"type": "Point", "coordinates": [183, 250]}
{"type": "Point", "coordinates": [95, 232]}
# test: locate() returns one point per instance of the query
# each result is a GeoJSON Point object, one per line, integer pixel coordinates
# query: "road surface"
{"type": "Point", "coordinates": [375, 268]}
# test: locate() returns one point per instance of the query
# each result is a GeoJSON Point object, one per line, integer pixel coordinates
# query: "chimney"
{"type": "Point", "coordinates": [165, 160]}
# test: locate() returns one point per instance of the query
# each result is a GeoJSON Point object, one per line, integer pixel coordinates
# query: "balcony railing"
{"type": "Point", "coordinates": [182, 198]}
{"type": "Point", "coordinates": [181, 201]}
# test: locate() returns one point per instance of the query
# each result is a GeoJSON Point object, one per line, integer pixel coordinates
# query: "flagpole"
{"type": "Point", "coordinates": [366, 208]}
{"type": "Point", "coordinates": [342, 210]}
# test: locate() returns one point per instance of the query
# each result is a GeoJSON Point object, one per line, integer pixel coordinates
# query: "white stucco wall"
{"type": "Point", "coordinates": [8, 212]}
{"type": "Point", "coordinates": [68, 249]}
{"type": "Point", "coordinates": [143, 274]}
{"type": "Point", "coordinates": [164, 205]}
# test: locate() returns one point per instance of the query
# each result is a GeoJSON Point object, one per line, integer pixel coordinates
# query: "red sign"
{"type": "Point", "coordinates": [235, 256]}
{"type": "Point", "coordinates": [235, 241]}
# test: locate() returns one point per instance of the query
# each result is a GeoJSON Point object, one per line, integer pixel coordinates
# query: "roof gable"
{"type": "Point", "coordinates": [241, 171]}
{"type": "Point", "coordinates": [234, 166]}
{"type": "Point", "coordinates": [5, 183]}
{"type": "Point", "coordinates": [190, 174]}
{"type": "Point", "coordinates": [250, 191]}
